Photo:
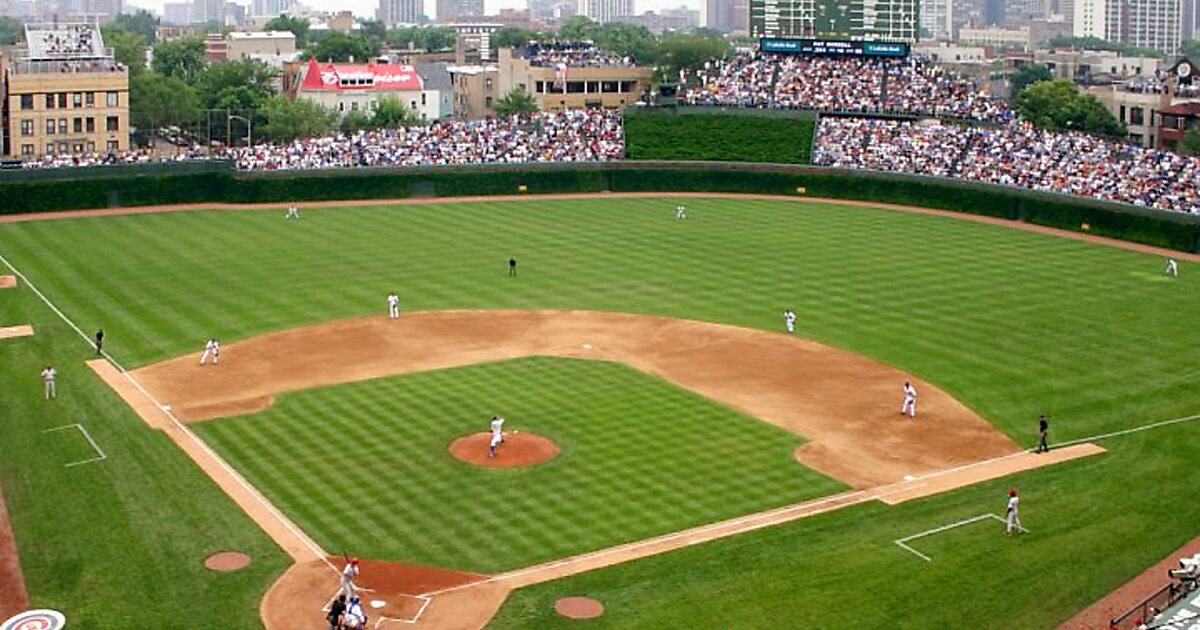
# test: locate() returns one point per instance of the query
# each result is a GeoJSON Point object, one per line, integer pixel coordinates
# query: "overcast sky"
{"type": "Point", "coordinates": [366, 8]}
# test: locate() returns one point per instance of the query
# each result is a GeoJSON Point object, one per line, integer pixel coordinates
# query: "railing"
{"type": "Point", "coordinates": [1144, 612]}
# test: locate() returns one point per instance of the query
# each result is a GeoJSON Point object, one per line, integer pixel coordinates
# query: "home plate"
{"type": "Point", "coordinates": [378, 603]}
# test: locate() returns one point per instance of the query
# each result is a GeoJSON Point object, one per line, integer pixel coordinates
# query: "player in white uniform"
{"type": "Point", "coordinates": [910, 401]}
{"type": "Point", "coordinates": [293, 212]}
{"type": "Point", "coordinates": [48, 375]}
{"type": "Point", "coordinates": [1012, 521]}
{"type": "Point", "coordinates": [497, 435]}
{"type": "Point", "coordinates": [393, 301]}
{"type": "Point", "coordinates": [213, 349]}
{"type": "Point", "coordinates": [680, 211]}
{"type": "Point", "coordinates": [354, 616]}
{"type": "Point", "coordinates": [349, 574]}
{"type": "Point", "coordinates": [1172, 268]}
{"type": "Point", "coordinates": [789, 320]}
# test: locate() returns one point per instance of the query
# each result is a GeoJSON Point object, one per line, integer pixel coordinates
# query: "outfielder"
{"type": "Point", "coordinates": [213, 349]}
{"type": "Point", "coordinates": [349, 574]}
{"type": "Point", "coordinates": [497, 435]}
{"type": "Point", "coordinates": [789, 320]}
{"type": "Point", "coordinates": [680, 211]}
{"type": "Point", "coordinates": [910, 401]}
{"type": "Point", "coordinates": [293, 212]}
{"type": "Point", "coordinates": [1172, 268]}
{"type": "Point", "coordinates": [393, 301]}
{"type": "Point", "coordinates": [1011, 520]}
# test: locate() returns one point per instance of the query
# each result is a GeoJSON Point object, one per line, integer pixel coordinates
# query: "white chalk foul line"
{"type": "Point", "coordinates": [100, 456]}
{"type": "Point", "coordinates": [903, 542]}
{"type": "Point", "coordinates": [208, 451]}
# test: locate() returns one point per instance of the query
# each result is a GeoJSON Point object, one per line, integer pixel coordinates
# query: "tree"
{"type": "Point", "coordinates": [297, 25]}
{"type": "Point", "coordinates": [1095, 43]}
{"type": "Point", "coordinates": [181, 58]}
{"type": "Point", "coordinates": [1027, 75]}
{"type": "Point", "coordinates": [427, 38]}
{"type": "Point", "coordinates": [517, 101]}
{"type": "Point", "coordinates": [1059, 106]}
{"type": "Point", "coordinates": [1189, 144]}
{"type": "Point", "coordinates": [354, 121]}
{"type": "Point", "coordinates": [128, 47]}
{"type": "Point", "coordinates": [341, 48]}
{"type": "Point", "coordinates": [288, 119]}
{"type": "Point", "coordinates": [157, 101]}
{"type": "Point", "coordinates": [375, 31]}
{"type": "Point", "coordinates": [689, 51]}
{"type": "Point", "coordinates": [512, 37]}
{"type": "Point", "coordinates": [1190, 49]}
{"type": "Point", "coordinates": [579, 27]}
{"type": "Point", "coordinates": [626, 39]}
{"type": "Point", "coordinates": [142, 22]}
{"type": "Point", "coordinates": [242, 84]}
{"type": "Point", "coordinates": [10, 30]}
{"type": "Point", "coordinates": [390, 113]}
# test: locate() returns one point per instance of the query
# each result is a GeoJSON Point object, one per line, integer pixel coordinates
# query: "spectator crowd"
{"type": "Point", "coordinates": [573, 54]}
{"type": "Point", "coordinates": [904, 86]}
{"type": "Point", "coordinates": [64, 40]}
{"type": "Point", "coordinates": [1014, 155]}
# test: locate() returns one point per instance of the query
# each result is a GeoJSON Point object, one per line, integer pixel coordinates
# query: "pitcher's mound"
{"type": "Point", "coordinates": [579, 607]}
{"type": "Point", "coordinates": [518, 449]}
{"type": "Point", "coordinates": [226, 561]}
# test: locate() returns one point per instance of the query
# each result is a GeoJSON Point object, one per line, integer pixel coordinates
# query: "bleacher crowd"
{"type": "Point", "coordinates": [573, 54]}
{"type": "Point", "coordinates": [63, 40]}
{"type": "Point", "coordinates": [1014, 155]}
{"type": "Point", "coordinates": [909, 86]}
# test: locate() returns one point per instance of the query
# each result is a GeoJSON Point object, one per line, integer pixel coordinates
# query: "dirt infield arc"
{"type": "Point", "coordinates": [845, 404]}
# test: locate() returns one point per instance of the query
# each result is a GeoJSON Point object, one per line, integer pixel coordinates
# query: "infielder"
{"type": "Point", "coordinates": [789, 320]}
{"type": "Point", "coordinates": [48, 375]}
{"type": "Point", "coordinates": [1172, 268]}
{"type": "Point", "coordinates": [497, 435]}
{"type": "Point", "coordinates": [910, 401]}
{"type": "Point", "coordinates": [349, 574]}
{"type": "Point", "coordinates": [213, 349]}
{"type": "Point", "coordinates": [680, 211]}
{"type": "Point", "coordinates": [393, 301]}
{"type": "Point", "coordinates": [1011, 520]}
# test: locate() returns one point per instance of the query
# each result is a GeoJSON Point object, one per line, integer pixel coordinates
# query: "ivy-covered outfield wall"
{"type": "Point", "coordinates": [69, 189]}
{"type": "Point", "coordinates": [714, 134]}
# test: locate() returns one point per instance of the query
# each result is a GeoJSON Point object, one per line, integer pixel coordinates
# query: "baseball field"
{"type": "Point", "coordinates": [651, 352]}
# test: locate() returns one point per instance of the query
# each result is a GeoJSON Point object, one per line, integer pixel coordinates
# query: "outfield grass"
{"type": "Point", "coordinates": [1012, 323]}
{"type": "Point", "coordinates": [363, 467]}
{"type": "Point", "coordinates": [1095, 524]}
{"type": "Point", "coordinates": [118, 543]}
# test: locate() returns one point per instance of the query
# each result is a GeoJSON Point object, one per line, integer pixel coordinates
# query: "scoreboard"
{"type": "Point", "coordinates": [833, 47]}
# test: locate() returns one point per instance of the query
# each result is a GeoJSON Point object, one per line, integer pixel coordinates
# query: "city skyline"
{"type": "Point", "coordinates": [366, 8]}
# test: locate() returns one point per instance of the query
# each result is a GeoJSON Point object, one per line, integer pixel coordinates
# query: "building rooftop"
{"type": "Point", "coordinates": [572, 54]}
{"type": "Point", "coordinates": [55, 42]}
{"type": "Point", "coordinates": [281, 35]}
{"type": "Point", "coordinates": [359, 77]}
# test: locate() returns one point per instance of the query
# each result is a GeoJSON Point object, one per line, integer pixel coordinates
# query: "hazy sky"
{"type": "Point", "coordinates": [366, 8]}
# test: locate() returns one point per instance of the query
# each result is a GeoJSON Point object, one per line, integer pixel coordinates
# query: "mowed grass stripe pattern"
{"type": "Point", "coordinates": [364, 468]}
{"type": "Point", "coordinates": [1012, 323]}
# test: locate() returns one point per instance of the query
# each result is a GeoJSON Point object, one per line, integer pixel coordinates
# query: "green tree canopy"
{"type": "Point", "coordinates": [288, 119]}
{"type": "Point", "coordinates": [427, 38]}
{"type": "Point", "coordinates": [10, 30]}
{"type": "Point", "coordinates": [375, 31]}
{"type": "Point", "coordinates": [297, 25]}
{"type": "Point", "coordinates": [514, 36]}
{"type": "Point", "coordinates": [626, 39]}
{"type": "Point", "coordinates": [1095, 43]}
{"type": "Point", "coordinates": [157, 101]}
{"type": "Point", "coordinates": [1059, 106]}
{"type": "Point", "coordinates": [579, 27]}
{"type": "Point", "coordinates": [517, 101]}
{"type": "Point", "coordinates": [128, 47]}
{"type": "Point", "coordinates": [340, 47]}
{"type": "Point", "coordinates": [390, 113]}
{"type": "Point", "coordinates": [181, 58]}
{"type": "Point", "coordinates": [354, 121]}
{"type": "Point", "coordinates": [680, 50]}
{"type": "Point", "coordinates": [1189, 144]}
{"type": "Point", "coordinates": [142, 22]}
{"type": "Point", "coordinates": [242, 84]}
{"type": "Point", "coordinates": [1190, 48]}
{"type": "Point", "coordinates": [1027, 75]}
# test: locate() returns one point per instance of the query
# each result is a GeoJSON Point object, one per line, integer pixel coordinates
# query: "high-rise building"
{"type": "Point", "coordinates": [394, 12]}
{"type": "Point", "coordinates": [453, 10]}
{"type": "Point", "coordinates": [208, 12]}
{"type": "Point", "coordinates": [603, 11]}
{"type": "Point", "coordinates": [893, 20]}
{"type": "Point", "coordinates": [994, 13]}
{"type": "Point", "coordinates": [727, 15]}
{"type": "Point", "coordinates": [1097, 18]}
{"type": "Point", "coordinates": [177, 13]}
{"type": "Point", "coordinates": [1156, 24]}
{"type": "Point", "coordinates": [937, 19]}
{"type": "Point", "coordinates": [1191, 20]}
{"type": "Point", "coordinates": [272, 8]}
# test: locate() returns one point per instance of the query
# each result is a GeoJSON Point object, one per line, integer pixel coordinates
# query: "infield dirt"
{"type": "Point", "coordinates": [13, 598]}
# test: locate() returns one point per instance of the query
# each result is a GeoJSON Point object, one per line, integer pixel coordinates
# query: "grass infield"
{"type": "Point", "coordinates": [1012, 323]}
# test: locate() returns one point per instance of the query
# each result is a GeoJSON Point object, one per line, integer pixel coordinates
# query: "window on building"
{"type": "Point", "coordinates": [49, 148]}
{"type": "Point", "coordinates": [26, 101]}
{"type": "Point", "coordinates": [91, 124]}
{"type": "Point", "coordinates": [77, 147]}
{"type": "Point", "coordinates": [64, 147]}
{"type": "Point", "coordinates": [62, 100]}
{"type": "Point", "coordinates": [27, 127]}
{"type": "Point", "coordinates": [575, 87]}
{"type": "Point", "coordinates": [89, 99]}
{"type": "Point", "coordinates": [112, 100]}
{"type": "Point", "coordinates": [1122, 116]}
{"type": "Point", "coordinates": [62, 126]}
{"type": "Point", "coordinates": [113, 146]}
{"type": "Point", "coordinates": [91, 147]}
{"type": "Point", "coordinates": [487, 102]}
{"type": "Point", "coordinates": [78, 125]}
{"type": "Point", "coordinates": [50, 126]}
{"type": "Point", "coordinates": [112, 123]}
{"type": "Point", "coordinates": [26, 149]}
{"type": "Point", "coordinates": [423, 97]}
{"type": "Point", "coordinates": [1137, 116]}
{"type": "Point", "coordinates": [76, 100]}
{"type": "Point", "coordinates": [487, 84]}
{"type": "Point", "coordinates": [49, 101]}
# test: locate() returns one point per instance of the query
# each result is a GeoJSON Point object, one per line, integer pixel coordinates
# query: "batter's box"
{"type": "Point", "coordinates": [388, 609]}
{"type": "Point", "coordinates": [903, 542]}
